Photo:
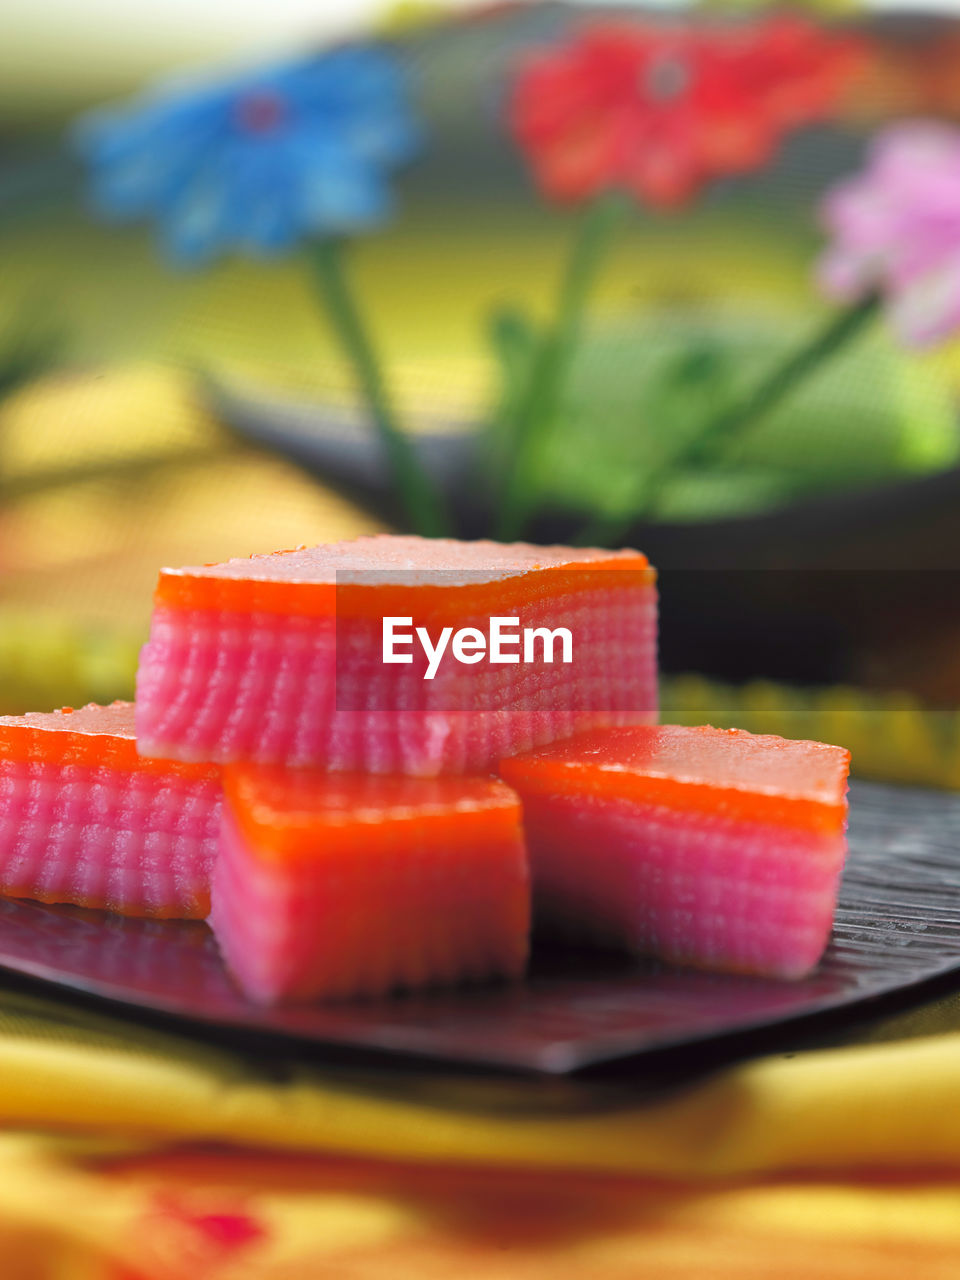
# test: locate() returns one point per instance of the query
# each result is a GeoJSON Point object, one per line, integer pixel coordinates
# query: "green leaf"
{"type": "Point", "coordinates": [640, 390]}
{"type": "Point", "coordinates": [513, 340]}
{"type": "Point", "coordinates": [512, 337]}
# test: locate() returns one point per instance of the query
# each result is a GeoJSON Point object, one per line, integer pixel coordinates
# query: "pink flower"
{"type": "Point", "coordinates": [896, 231]}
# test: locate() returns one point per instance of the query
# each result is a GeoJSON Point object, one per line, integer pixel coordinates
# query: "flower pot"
{"type": "Point", "coordinates": [855, 586]}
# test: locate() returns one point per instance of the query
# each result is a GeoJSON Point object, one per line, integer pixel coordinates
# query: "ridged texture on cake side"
{"type": "Point", "coordinates": [137, 843]}
{"type": "Point", "coordinates": [229, 686]}
{"type": "Point", "coordinates": [688, 887]}
{"type": "Point", "coordinates": [405, 917]}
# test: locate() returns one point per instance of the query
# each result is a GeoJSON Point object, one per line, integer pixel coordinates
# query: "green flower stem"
{"type": "Point", "coordinates": [422, 503]}
{"type": "Point", "coordinates": [539, 401]}
{"type": "Point", "coordinates": [708, 443]}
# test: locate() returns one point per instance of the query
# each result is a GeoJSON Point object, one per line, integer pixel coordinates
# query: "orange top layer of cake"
{"type": "Point", "coordinates": [375, 576]}
{"type": "Point", "coordinates": [92, 736]}
{"type": "Point", "coordinates": [739, 775]}
{"type": "Point", "coordinates": [308, 815]}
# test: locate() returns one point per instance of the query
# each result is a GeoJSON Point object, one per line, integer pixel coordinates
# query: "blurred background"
{"type": "Point", "coordinates": [156, 411]}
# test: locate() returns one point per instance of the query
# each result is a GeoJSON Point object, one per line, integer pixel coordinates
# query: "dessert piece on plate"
{"type": "Point", "coordinates": [283, 658]}
{"type": "Point", "coordinates": [709, 847]}
{"type": "Point", "coordinates": [338, 885]}
{"type": "Point", "coordinates": [85, 820]}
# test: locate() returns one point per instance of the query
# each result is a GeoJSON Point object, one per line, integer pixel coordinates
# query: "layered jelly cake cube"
{"type": "Point", "coordinates": [709, 847]}
{"type": "Point", "coordinates": [338, 885]}
{"type": "Point", "coordinates": [279, 658]}
{"type": "Point", "coordinates": [85, 820]}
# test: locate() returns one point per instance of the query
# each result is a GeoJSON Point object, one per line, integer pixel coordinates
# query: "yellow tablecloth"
{"type": "Point", "coordinates": [132, 1154]}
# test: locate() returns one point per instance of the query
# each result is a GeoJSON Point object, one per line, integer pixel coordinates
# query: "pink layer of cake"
{"type": "Point", "coordinates": [84, 820]}
{"type": "Point", "coordinates": [708, 847]}
{"type": "Point", "coordinates": [241, 664]}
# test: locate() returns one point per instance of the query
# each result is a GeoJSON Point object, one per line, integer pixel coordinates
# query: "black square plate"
{"type": "Point", "coordinates": [897, 926]}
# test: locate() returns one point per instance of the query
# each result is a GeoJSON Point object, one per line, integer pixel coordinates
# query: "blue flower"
{"type": "Point", "coordinates": [259, 161]}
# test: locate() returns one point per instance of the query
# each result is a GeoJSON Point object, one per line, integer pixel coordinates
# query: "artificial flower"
{"type": "Point", "coordinates": [659, 110]}
{"type": "Point", "coordinates": [896, 231]}
{"type": "Point", "coordinates": [258, 161]}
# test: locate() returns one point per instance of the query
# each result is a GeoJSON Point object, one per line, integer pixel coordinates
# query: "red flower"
{"type": "Point", "coordinates": [660, 110]}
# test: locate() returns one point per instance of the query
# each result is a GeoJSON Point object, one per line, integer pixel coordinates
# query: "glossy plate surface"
{"type": "Point", "coordinates": [898, 925]}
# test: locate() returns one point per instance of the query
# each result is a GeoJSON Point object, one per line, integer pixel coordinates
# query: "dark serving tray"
{"type": "Point", "coordinates": [898, 925]}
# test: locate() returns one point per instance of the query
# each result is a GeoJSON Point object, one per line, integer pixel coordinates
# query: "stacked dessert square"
{"type": "Point", "coordinates": [242, 661]}
{"type": "Point", "coordinates": [345, 810]}
{"type": "Point", "coordinates": [84, 819]}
